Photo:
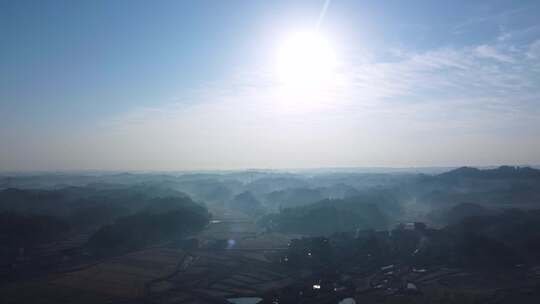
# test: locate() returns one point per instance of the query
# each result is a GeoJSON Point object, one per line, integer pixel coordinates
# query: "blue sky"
{"type": "Point", "coordinates": [169, 85]}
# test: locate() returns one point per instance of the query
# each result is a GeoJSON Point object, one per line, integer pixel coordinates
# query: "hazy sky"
{"type": "Point", "coordinates": [169, 85]}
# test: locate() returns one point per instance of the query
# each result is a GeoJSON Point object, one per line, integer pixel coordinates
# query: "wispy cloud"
{"type": "Point", "coordinates": [495, 17]}
{"type": "Point", "coordinates": [491, 52]}
{"type": "Point", "coordinates": [534, 50]}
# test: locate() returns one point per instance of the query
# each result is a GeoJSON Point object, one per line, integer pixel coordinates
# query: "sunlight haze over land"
{"type": "Point", "coordinates": [173, 85]}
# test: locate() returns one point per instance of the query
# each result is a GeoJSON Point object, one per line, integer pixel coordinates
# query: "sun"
{"type": "Point", "coordinates": [305, 60]}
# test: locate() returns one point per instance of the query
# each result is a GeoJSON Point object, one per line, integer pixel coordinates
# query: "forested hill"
{"type": "Point", "coordinates": [503, 172]}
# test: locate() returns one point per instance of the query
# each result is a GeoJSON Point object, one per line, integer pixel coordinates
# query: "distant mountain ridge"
{"type": "Point", "coordinates": [502, 172]}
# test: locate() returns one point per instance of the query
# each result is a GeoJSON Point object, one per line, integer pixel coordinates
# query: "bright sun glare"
{"type": "Point", "coordinates": [305, 61]}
